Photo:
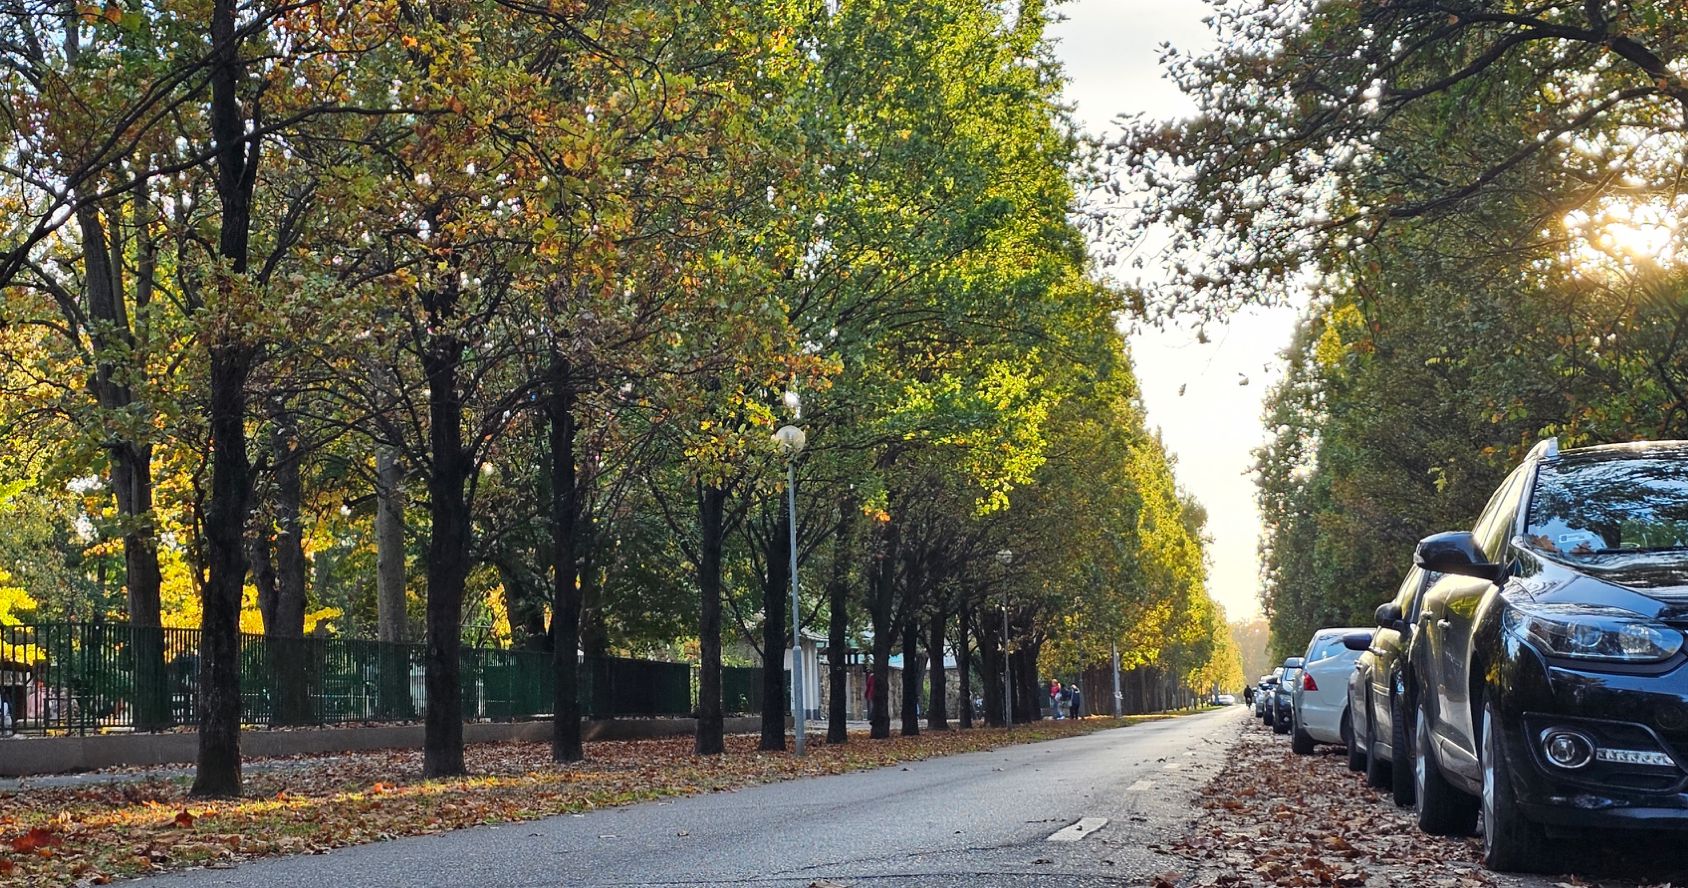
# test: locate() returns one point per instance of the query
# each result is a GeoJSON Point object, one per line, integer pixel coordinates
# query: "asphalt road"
{"type": "Point", "coordinates": [981, 820]}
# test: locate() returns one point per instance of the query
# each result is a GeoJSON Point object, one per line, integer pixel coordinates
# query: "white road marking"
{"type": "Point", "coordinates": [1173, 766]}
{"type": "Point", "coordinates": [1079, 830]}
{"type": "Point", "coordinates": [1140, 786]}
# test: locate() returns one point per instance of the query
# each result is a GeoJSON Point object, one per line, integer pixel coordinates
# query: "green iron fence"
{"type": "Point", "coordinates": [78, 678]}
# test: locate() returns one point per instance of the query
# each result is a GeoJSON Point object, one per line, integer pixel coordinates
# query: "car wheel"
{"type": "Point", "coordinates": [1280, 725]}
{"type": "Point", "coordinates": [1400, 756]}
{"type": "Point", "coordinates": [1267, 718]}
{"type": "Point", "coordinates": [1512, 843]}
{"type": "Point", "coordinates": [1300, 742]}
{"type": "Point", "coordinates": [1356, 758]}
{"type": "Point", "coordinates": [1441, 809]}
{"type": "Point", "coordinates": [1377, 770]}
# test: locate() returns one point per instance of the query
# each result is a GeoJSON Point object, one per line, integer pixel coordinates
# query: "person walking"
{"type": "Point", "coordinates": [1055, 697]}
{"type": "Point", "coordinates": [1076, 703]}
{"type": "Point", "coordinates": [869, 694]}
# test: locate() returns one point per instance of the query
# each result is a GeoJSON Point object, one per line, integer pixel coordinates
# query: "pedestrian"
{"type": "Point", "coordinates": [1055, 697]}
{"type": "Point", "coordinates": [5, 715]}
{"type": "Point", "coordinates": [1076, 705]}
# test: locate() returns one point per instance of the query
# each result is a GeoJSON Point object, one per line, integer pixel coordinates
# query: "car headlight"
{"type": "Point", "coordinates": [1592, 632]}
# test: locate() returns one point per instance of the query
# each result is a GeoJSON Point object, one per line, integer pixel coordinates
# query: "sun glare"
{"type": "Point", "coordinates": [1625, 236]}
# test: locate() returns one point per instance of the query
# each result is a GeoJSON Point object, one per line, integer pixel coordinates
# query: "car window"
{"type": "Point", "coordinates": [1610, 507]}
{"type": "Point", "coordinates": [1405, 595]}
{"type": "Point", "coordinates": [1494, 527]}
{"type": "Point", "coordinates": [1324, 646]}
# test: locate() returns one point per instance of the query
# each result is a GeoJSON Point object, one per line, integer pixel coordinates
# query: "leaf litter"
{"type": "Point", "coordinates": [1274, 818]}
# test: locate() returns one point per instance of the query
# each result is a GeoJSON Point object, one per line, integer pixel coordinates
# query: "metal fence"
{"type": "Point", "coordinates": [79, 678]}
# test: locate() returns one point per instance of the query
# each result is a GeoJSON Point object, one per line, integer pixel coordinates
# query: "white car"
{"type": "Point", "coordinates": [1319, 700]}
{"type": "Point", "coordinates": [1225, 700]}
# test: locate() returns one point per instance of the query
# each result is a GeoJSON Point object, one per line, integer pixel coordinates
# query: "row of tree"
{"type": "Point", "coordinates": [1485, 202]}
{"type": "Point", "coordinates": [477, 315]}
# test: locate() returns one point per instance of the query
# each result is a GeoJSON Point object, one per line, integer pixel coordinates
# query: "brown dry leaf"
{"type": "Point", "coordinates": [37, 840]}
{"type": "Point", "coordinates": [1337, 843]}
{"type": "Point", "coordinates": [184, 820]}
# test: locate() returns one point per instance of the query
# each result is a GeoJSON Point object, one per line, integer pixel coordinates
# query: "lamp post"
{"type": "Point", "coordinates": [1006, 558]}
{"type": "Point", "coordinates": [790, 440]}
{"type": "Point", "coordinates": [1119, 698]}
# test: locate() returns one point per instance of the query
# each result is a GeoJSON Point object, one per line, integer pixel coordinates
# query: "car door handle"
{"type": "Point", "coordinates": [1444, 624]}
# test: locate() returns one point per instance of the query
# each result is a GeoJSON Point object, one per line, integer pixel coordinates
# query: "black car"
{"type": "Point", "coordinates": [1282, 700]}
{"type": "Point", "coordinates": [1263, 697]}
{"type": "Point", "coordinates": [1550, 685]}
{"type": "Point", "coordinates": [1377, 693]}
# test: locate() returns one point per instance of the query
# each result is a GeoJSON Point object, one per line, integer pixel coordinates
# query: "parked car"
{"type": "Point", "coordinates": [1263, 697]}
{"type": "Point", "coordinates": [1550, 685]}
{"type": "Point", "coordinates": [1319, 699]}
{"type": "Point", "coordinates": [1287, 679]}
{"type": "Point", "coordinates": [1377, 693]}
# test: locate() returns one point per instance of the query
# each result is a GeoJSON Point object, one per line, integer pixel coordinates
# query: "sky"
{"type": "Point", "coordinates": [1193, 392]}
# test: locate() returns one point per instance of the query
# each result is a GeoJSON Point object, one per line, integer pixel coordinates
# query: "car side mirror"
{"type": "Point", "coordinates": [1389, 616]}
{"type": "Point", "coordinates": [1357, 641]}
{"type": "Point", "coordinates": [1456, 552]}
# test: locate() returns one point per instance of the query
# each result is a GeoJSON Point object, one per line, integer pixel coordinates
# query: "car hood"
{"type": "Point", "coordinates": [1652, 584]}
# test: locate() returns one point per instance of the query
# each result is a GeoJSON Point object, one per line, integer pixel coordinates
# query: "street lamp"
{"type": "Point", "coordinates": [1006, 557]}
{"type": "Point", "coordinates": [790, 440]}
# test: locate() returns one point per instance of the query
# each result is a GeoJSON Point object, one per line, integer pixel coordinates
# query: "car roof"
{"type": "Point", "coordinates": [1669, 449]}
{"type": "Point", "coordinates": [1326, 633]}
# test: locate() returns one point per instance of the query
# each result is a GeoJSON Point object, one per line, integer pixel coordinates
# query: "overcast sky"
{"type": "Point", "coordinates": [1110, 49]}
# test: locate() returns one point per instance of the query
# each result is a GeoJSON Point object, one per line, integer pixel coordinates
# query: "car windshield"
{"type": "Point", "coordinates": [1325, 647]}
{"type": "Point", "coordinates": [1600, 508]}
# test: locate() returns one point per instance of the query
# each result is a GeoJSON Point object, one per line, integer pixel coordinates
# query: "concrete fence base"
{"type": "Point", "coordinates": [31, 756]}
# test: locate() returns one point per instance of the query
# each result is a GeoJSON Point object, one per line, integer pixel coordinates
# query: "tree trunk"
{"type": "Point", "coordinates": [1029, 691]}
{"type": "Point", "coordinates": [837, 631]}
{"type": "Point", "coordinates": [131, 463]}
{"type": "Point", "coordinates": [937, 709]}
{"type": "Point", "coordinates": [217, 771]}
{"type": "Point", "coordinates": [964, 663]}
{"type": "Point", "coordinates": [594, 632]}
{"type": "Point", "coordinates": [712, 508]}
{"type": "Point", "coordinates": [292, 665]}
{"type": "Point", "coordinates": [911, 676]}
{"type": "Point", "coordinates": [566, 743]}
{"type": "Point", "coordinates": [881, 602]}
{"type": "Point", "coordinates": [448, 543]}
{"type": "Point", "coordinates": [774, 591]}
{"type": "Point", "coordinates": [391, 618]}
{"type": "Point", "coordinates": [990, 666]}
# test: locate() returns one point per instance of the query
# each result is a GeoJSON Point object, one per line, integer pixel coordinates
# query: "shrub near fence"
{"type": "Point", "coordinates": [82, 677]}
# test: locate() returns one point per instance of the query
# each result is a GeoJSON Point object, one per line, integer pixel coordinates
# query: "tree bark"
{"type": "Point", "coordinates": [712, 510]}
{"type": "Point", "coordinates": [911, 676]}
{"type": "Point", "coordinates": [991, 662]}
{"type": "Point", "coordinates": [566, 745]}
{"type": "Point", "coordinates": [448, 541]}
{"type": "Point", "coordinates": [837, 631]}
{"type": "Point", "coordinates": [217, 771]}
{"type": "Point", "coordinates": [390, 610]}
{"type": "Point", "coordinates": [964, 663]}
{"type": "Point", "coordinates": [881, 603]}
{"type": "Point", "coordinates": [292, 663]}
{"type": "Point", "coordinates": [131, 461]}
{"type": "Point", "coordinates": [937, 708]}
{"type": "Point", "coordinates": [775, 588]}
